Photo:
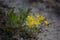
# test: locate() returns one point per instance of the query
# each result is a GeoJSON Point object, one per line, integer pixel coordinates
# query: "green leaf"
{"type": "Point", "coordinates": [11, 16]}
{"type": "Point", "coordinates": [20, 22]}
{"type": "Point", "coordinates": [35, 29]}
{"type": "Point", "coordinates": [29, 10]}
{"type": "Point", "coordinates": [21, 11]}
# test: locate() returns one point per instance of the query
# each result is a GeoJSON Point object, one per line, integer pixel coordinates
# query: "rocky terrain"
{"type": "Point", "coordinates": [48, 8]}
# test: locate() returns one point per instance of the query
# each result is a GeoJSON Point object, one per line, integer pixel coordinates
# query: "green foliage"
{"type": "Point", "coordinates": [11, 16]}
{"type": "Point", "coordinates": [23, 15]}
{"type": "Point", "coordinates": [29, 10]}
{"type": "Point", "coordinates": [13, 19]}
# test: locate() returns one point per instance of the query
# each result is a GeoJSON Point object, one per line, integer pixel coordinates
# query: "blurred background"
{"type": "Point", "coordinates": [48, 8]}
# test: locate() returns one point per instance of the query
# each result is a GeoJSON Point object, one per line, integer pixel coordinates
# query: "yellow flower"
{"type": "Point", "coordinates": [30, 23]}
{"type": "Point", "coordinates": [46, 22]}
{"type": "Point", "coordinates": [42, 18]}
{"type": "Point", "coordinates": [30, 20]}
{"type": "Point", "coordinates": [37, 22]}
{"type": "Point", "coordinates": [38, 16]}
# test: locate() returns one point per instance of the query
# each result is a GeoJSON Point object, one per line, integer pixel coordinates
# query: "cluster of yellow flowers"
{"type": "Point", "coordinates": [31, 21]}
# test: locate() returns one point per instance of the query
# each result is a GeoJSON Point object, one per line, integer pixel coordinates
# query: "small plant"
{"type": "Point", "coordinates": [26, 25]}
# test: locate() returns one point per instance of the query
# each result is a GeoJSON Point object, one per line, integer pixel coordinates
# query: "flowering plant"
{"type": "Point", "coordinates": [26, 23]}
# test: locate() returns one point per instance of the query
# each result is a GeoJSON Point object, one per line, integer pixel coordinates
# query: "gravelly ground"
{"type": "Point", "coordinates": [53, 32]}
